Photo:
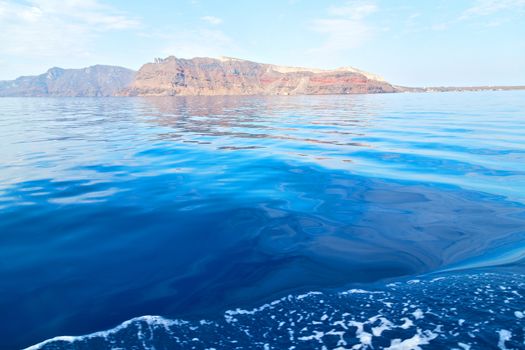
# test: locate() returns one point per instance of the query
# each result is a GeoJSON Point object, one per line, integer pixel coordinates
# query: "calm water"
{"type": "Point", "coordinates": [338, 221]}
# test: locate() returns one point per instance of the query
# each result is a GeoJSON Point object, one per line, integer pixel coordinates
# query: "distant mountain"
{"type": "Point", "coordinates": [231, 76]}
{"type": "Point", "coordinates": [92, 81]}
{"type": "Point", "coordinates": [466, 88]}
{"type": "Point", "coordinates": [209, 76]}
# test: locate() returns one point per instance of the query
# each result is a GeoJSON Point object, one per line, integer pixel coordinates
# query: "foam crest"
{"type": "Point", "coordinates": [399, 316]}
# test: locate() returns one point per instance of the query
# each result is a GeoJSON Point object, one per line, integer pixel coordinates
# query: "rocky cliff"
{"type": "Point", "coordinates": [92, 81]}
{"type": "Point", "coordinates": [230, 76]}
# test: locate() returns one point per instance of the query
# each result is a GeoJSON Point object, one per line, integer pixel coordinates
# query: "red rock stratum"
{"type": "Point", "coordinates": [231, 76]}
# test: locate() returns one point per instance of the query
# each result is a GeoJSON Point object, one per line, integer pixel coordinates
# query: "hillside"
{"type": "Point", "coordinates": [92, 81]}
{"type": "Point", "coordinates": [230, 76]}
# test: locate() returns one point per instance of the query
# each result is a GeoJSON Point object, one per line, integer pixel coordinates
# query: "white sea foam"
{"type": "Point", "coordinates": [421, 338]}
{"type": "Point", "coordinates": [150, 320]}
{"type": "Point", "coordinates": [504, 336]}
{"type": "Point", "coordinates": [323, 320]}
{"type": "Point", "coordinates": [464, 346]}
{"type": "Point", "coordinates": [418, 314]}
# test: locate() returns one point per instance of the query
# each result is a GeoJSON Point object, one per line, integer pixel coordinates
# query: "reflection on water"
{"type": "Point", "coordinates": [446, 139]}
{"type": "Point", "coordinates": [184, 207]}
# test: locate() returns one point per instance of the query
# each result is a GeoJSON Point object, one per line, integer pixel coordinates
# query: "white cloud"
{"type": "Point", "coordinates": [56, 28]}
{"type": "Point", "coordinates": [212, 20]}
{"type": "Point", "coordinates": [490, 13]}
{"type": "Point", "coordinates": [342, 34]}
{"type": "Point", "coordinates": [440, 26]}
{"type": "Point", "coordinates": [490, 7]}
{"type": "Point", "coordinates": [197, 43]}
{"type": "Point", "coordinates": [345, 28]}
{"type": "Point", "coordinates": [355, 10]}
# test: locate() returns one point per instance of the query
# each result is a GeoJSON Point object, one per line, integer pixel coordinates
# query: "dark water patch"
{"type": "Point", "coordinates": [179, 244]}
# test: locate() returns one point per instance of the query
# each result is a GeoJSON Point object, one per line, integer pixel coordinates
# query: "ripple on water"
{"type": "Point", "coordinates": [185, 207]}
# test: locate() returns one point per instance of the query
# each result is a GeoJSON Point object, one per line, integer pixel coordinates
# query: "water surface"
{"type": "Point", "coordinates": [116, 208]}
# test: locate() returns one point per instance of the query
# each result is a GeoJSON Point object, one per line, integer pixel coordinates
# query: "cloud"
{"type": "Point", "coordinates": [485, 9]}
{"type": "Point", "coordinates": [354, 10]}
{"type": "Point", "coordinates": [345, 28]}
{"type": "Point", "coordinates": [53, 28]}
{"type": "Point", "coordinates": [441, 26]}
{"type": "Point", "coordinates": [200, 42]}
{"type": "Point", "coordinates": [212, 20]}
{"type": "Point", "coordinates": [490, 7]}
{"type": "Point", "coordinates": [342, 34]}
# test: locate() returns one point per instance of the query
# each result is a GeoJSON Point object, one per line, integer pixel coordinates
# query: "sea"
{"type": "Point", "coordinates": [386, 221]}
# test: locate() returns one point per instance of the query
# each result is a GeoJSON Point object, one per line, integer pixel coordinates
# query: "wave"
{"type": "Point", "coordinates": [462, 311]}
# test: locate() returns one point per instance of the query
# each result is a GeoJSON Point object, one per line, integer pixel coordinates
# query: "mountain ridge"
{"type": "Point", "coordinates": [172, 76]}
{"type": "Point", "coordinates": [232, 76]}
{"type": "Point", "coordinates": [97, 80]}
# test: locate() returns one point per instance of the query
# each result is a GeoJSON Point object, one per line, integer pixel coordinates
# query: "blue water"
{"type": "Point", "coordinates": [367, 221]}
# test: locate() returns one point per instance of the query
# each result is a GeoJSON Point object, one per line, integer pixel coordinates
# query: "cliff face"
{"type": "Point", "coordinates": [229, 76]}
{"type": "Point", "coordinates": [92, 81]}
{"type": "Point", "coordinates": [197, 76]}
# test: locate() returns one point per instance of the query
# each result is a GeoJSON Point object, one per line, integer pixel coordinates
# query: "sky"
{"type": "Point", "coordinates": [408, 42]}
